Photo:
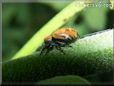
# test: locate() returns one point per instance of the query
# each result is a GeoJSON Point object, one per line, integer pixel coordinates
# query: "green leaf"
{"type": "Point", "coordinates": [95, 18]}
{"type": "Point", "coordinates": [68, 79]}
{"type": "Point", "coordinates": [59, 5]}
{"type": "Point", "coordinates": [89, 55]}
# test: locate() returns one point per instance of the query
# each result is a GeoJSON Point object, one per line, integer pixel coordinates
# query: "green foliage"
{"type": "Point", "coordinates": [93, 15]}
{"type": "Point", "coordinates": [105, 77]}
{"type": "Point", "coordinates": [69, 79]}
{"type": "Point", "coordinates": [88, 58]}
{"type": "Point", "coordinates": [58, 6]}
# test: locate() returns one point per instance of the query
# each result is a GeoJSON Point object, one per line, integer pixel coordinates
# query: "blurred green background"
{"type": "Point", "coordinates": [22, 20]}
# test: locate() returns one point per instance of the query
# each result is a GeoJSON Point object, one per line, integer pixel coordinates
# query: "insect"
{"type": "Point", "coordinates": [60, 38]}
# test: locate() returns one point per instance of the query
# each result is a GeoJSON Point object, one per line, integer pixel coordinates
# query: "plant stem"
{"type": "Point", "coordinates": [112, 4]}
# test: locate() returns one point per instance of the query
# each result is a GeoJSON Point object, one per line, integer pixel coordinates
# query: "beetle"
{"type": "Point", "coordinates": [60, 38]}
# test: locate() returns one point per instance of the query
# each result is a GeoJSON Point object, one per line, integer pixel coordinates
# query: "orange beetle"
{"type": "Point", "coordinates": [60, 38]}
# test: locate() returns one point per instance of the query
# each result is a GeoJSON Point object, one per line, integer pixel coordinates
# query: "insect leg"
{"type": "Point", "coordinates": [60, 49]}
{"type": "Point", "coordinates": [43, 49]}
{"type": "Point", "coordinates": [48, 50]}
